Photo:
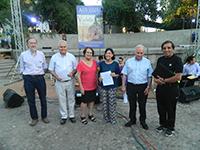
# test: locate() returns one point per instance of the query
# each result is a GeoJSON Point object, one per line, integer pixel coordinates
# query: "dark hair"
{"type": "Point", "coordinates": [85, 49]}
{"type": "Point", "coordinates": [121, 58]}
{"type": "Point", "coordinates": [189, 59]}
{"type": "Point", "coordinates": [166, 42]}
{"type": "Point", "coordinates": [109, 49]}
{"type": "Point", "coordinates": [100, 57]}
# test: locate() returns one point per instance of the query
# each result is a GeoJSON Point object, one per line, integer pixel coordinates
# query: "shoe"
{"type": "Point", "coordinates": [160, 129]}
{"type": "Point", "coordinates": [63, 121]}
{"type": "Point", "coordinates": [84, 120]}
{"type": "Point", "coordinates": [73, 120]}
{"type": "Point", "coordinates": [169, 132]}
{"type": "Point", "coordinates": [92, 118]}
{"type": "Point", "coordinates": [45, 120]}
{"type": "Point", "coordinates": [129, 124]}
{"type": "Point", "coordinates": [33, 122]}
{"type": "Point", "coordinates": [144, 125]}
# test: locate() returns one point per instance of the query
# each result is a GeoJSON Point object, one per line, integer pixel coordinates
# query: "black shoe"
{"type": "Point", "coordinates": [73, 120]}
{"type": "Point", "coordinates": [169, 132]}
{"type": "Point", "coordinates": [144, 125]}
{"type": "Point", "coordinates": [129, 124]}
{"type": "Point", "coordinates": [160, 129]}
{"type": "Point", "coordinates": [63, 121]}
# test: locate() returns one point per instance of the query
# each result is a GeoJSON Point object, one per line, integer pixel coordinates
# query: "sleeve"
{"type": "Point", "coordinates": [154, 73]}
{"type": "Point", "coordinates": [79, 67]}
{"type": "Point", "coordinates": [117, 69]}
{"type": "Point", "coordinates": [44, 62]}
{"type": "Point", "coordinates": [52, 64]}
{"type": "Point", "coordinates": [198, 69]}
{"type": "Point", "coordinates": [124, 70]}
{"type": "Point", "coordinates": [150, 70]}
{"type": "Point", "coordinates": [179, 65]}
{"type": "Point", "coordinates": [21, 64]}
{"type": "Point", "coordinates": [74, 63]}
{"type": "Point", "coordinates": [184, 70]}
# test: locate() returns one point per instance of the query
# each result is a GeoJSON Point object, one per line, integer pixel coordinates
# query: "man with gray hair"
{"type": "Point", "coordinates": [63, 67]}
{"type": "Point", "coordinates": [137, 78]}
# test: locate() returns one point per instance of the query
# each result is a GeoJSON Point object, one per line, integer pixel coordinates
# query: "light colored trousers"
{"type": "Point", "coordinates": [66, 96]}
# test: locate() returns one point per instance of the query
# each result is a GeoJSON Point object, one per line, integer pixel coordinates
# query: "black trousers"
{"type": "Point", "coordinates": [32, 82]}
{"type": "Point", "coordinates": [167, 97]}
{"type": "Point", "coordinates": [136, 94]}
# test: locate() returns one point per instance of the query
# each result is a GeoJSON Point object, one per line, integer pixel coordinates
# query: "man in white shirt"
{"type": "Point", "coordinates": [137, 72]}
{"type": "Point", "coordinates": [63, 67]}
{"type": "Point", "coordinates": [32, 67]}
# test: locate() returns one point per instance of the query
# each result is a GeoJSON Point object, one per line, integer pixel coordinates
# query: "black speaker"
{"type": "Point", "coordinates": [188, 94]}
{"type": "Point", "coordinates": [12, 99]}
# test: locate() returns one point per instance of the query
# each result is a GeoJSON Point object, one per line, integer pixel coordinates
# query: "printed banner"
{"type": "Point", "coordinates": [90, 26]}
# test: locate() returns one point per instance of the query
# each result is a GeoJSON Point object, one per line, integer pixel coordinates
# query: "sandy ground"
{"type": "Point", "coordinates": [16, 134]}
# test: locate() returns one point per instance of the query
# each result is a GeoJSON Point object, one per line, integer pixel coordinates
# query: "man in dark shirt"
{"type": "Point", "coordinates": [167, 90]}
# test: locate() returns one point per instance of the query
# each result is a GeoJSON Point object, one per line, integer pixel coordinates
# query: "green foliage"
{"type": "Point", "coordinates": [60, 13]}
{"type": "Point", "coordinates": [129, 13]}
{"type": "Point", "coordinates": [178, 14]}
{"type": "Point", "coordinates": [4, 10]}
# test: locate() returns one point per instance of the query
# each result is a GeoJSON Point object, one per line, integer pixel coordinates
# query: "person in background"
{"type": "Point", "coordinates": [137, 72]}
{"type": "Point", "coordinates": [32, 67]}
{"type": "Point", "coordinates": [87, 78]}
{"type": "Point", "coordinates": [167, 90]}
{"type": "Point", "coordinates": [108, 92]}
{"type": "Point", "coordinates": [190, 68]}
{"type": "Point", "coordinates": [63, 67]}
{"type": "Point", "coordinates": [121, 65]}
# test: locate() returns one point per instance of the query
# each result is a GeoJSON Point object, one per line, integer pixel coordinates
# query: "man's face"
{"type": "Point", "coordinates": [32, 43]}
{"type": "Point", "coordinates": [63, 48]}
{"type": "Point", "coordinates": [167, 50]}
{"type": "Point", "coordinates": [139, 53]}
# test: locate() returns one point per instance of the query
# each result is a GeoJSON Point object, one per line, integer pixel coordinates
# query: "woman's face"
{"type": "Point", "coordinates": [88, 54]}
{"type": "Point", "coordinates": [167, 50]}
{"type": "Point", "coordinates": [108, 55]}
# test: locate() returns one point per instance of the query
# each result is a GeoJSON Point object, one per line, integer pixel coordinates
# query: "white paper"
{"type": "Point", "coordinates": [107, 78]}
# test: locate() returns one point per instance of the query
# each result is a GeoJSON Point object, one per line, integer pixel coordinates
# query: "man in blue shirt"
{"type": "Point", "coordinates": [137, 72]}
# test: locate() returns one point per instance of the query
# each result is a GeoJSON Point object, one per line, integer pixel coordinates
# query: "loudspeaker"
{"type": "Point", "coordinates": [12, 99]}
{"type": "Point", "coordinates": [188, 94]}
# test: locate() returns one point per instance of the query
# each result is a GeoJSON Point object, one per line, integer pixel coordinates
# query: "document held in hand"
{"type": "Point", "coordinates": [162, 71]}
{"type": "Point", "coordinates": [107, 79]}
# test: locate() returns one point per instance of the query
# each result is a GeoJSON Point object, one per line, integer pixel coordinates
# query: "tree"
{"type": "Point", "coordinates": [129, 13]}
{"type": "Point", "coordinates": [4, 11]}
{"type": "Point", "coordinates": [178, 14]}
{"type": "Point", "coordinates": [60, 13]}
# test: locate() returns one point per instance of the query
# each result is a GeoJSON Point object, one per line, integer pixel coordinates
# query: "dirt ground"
{"type": "Point", "coordinates": [16, 134]}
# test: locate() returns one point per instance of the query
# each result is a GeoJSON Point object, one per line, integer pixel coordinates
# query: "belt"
{"type": "Point", "coordinates": [137, 84]}
{"type": "Point", "coordinates": [170, 84]}
{"type": "Point", "coordinates": [66, 81]}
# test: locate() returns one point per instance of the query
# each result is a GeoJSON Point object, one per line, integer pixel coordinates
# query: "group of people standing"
{"type": "Point", "coordinates": [136, 81]}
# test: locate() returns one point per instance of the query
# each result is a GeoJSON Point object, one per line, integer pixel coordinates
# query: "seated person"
{"type": "Point", "coordinates": [191, 71]}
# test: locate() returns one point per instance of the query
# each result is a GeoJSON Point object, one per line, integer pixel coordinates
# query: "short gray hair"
{"type": "Point", "coordinates": [140, 46]}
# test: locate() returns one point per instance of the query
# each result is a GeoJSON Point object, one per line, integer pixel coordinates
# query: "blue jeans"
{"type": "Point", "coordinates": [32, 82]}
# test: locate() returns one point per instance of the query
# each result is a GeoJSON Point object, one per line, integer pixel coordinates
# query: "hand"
{"type": "Point", "coordinates": [100, 79]}
{"type": "Point", "coordinates": [82, 91]}
{"type": "Point", "coordinates": [159, 80]}
{"type": "Point", "coordinates": [70, 74]}
{"type": "Point", "coordinates": [113, 74]}
{"type": "Point", "coordinates": [146, 91]}
{"type": "Point", "coordinates": [123, 89]}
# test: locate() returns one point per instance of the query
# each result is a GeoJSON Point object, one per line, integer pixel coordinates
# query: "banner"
{"type": "Point", "coordinates": [90, 26]}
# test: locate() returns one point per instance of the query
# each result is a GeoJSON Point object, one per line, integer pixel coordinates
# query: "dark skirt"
{"type": "Point", "coordinates": [89, 96]}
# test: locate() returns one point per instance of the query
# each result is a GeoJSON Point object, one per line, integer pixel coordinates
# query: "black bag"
{"type": "Point", "coordinates": [12, 99]}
